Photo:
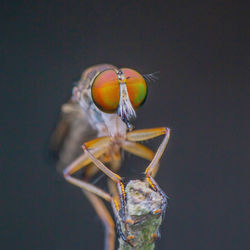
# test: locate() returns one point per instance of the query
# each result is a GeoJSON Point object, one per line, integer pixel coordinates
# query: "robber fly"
{"type": "Point", "coordinates": [98, 117]}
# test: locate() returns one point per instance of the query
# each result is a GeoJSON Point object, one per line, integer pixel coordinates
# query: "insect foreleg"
{"type": "Point", "coordinates": [151, 169]}
{"type": "Point", "coordinates": [143, 151]}
{"type": "Point", "coordinates": [98, 149]}
{"type": "Point", "coordinates": [154, 163]}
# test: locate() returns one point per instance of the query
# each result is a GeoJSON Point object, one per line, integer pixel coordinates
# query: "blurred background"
{"type": "Point", "coordinates": [200, 49]}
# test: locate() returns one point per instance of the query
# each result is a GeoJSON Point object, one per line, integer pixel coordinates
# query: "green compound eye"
{"type": "Point", "coordinates": [137, 87]}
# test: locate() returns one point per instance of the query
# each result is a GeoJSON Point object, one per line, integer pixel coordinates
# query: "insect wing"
{"type": "Point", "coordinates": [72, 130]}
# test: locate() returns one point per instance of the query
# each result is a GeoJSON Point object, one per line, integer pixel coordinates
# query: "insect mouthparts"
{"type": "Point", "coordinates": [126, 112]}
{"type": "Point", "coordinates": [128, 124]}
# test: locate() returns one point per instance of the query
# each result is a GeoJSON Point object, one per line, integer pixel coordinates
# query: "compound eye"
{"type": "Point", "coordinates": [105, 91]}
{"type": "Point", "coordinates": [137, 87]}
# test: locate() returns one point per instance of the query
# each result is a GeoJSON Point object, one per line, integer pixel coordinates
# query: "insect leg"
{"type": "Point", "coordinates": [101, 210]}
{"type": "Point", "coordinates": [141, 151]}
{"type": "Point", "coordinates": [83, 161]}
{"type": "Point", "coordinates": [115, 208]}
{"type": "Point", "coordinates": [91, 191]}
{"type": "Point", "coordinates": [115, 165]}
{"type": "Point", "coordinates": [144, 152]}
{"type": "Point", "coordinates": [146, 134]}
{"type": "Point", "coordinates": [150, 169]}
{"type": "Point", "coordinates": [106, 219]}
{"type": "Point", "coordinates": [158, 153]}
{"type": "Point", "coordinates": [115, 177]}
{"type": "Point", "coordinates": [154, 164]}
{"type": "Point", "coordinates": [138, 150]}
{"type": "Point", "coordinates": [119, 209]}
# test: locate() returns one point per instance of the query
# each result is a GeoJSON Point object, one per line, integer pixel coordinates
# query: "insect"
{"type": "Point", "coordinates": [99, 114]}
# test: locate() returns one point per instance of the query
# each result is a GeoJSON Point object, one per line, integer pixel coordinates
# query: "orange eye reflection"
{"type": "Point", "coordinates": [137, 87]}
{"type": "Point", "coordinates": [105, 91]}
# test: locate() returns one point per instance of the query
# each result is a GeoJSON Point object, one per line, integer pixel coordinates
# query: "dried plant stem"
{"type": "Point", "coordinates": [141, 202]}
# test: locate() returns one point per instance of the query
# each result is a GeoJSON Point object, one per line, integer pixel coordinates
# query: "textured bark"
{"type": "Point", "coordinates": [141, 202]}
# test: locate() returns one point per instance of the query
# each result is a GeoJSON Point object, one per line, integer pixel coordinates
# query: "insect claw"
{"type": "Point", "coordinates": [128, 240]}
{"type": "Point", "coordinates": [155, 237]}
{"type": "Point", "coordinates": [127, 223]}
{"type": "Point", "coordinates": [157, 212]}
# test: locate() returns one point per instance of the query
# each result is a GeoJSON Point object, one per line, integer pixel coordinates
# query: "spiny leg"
{"type": "Point", "coordinates": [116, 206]}
{"type": "Point", "coordinates": [81, 162]}
{"type": "Point", "coordinates": [115, 177]}
{"type": "Point", "coordinates": [153, 166]}
{"type": "Point", "coordinates": [114, 191]}
{"type": "Point", "coordinates": [88, 187]}
{"type": "Point", "coordinates": [149, 170]}
{"type": "Point", "coordinates": [138, 150]}
{"type": "Point", "coordinates": [115, 165]}
{"type": "Point", "coordinates": [113, 162]}
{"type": "Point", "coordinates": [100, 208]}
{"type": "Point", "coordinates": [117, 216]}
{"type": "Point", "coordinates": [99, 147]}
{"type": "Point", "coordinates": [141, 150]}
{"type": "Point", "coordinates": [145, 134]}
{"type": "Point", "coordinates": [158, 153]}
{"type": "Point", "coordinates": [119, 209]}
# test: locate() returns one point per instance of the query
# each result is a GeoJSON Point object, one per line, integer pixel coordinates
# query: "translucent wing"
{"type": "Point", "coordinates": [72, 130]}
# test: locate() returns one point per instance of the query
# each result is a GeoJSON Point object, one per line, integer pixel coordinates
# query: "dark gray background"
{"type": "Point", "coordinates": [200, 48]}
